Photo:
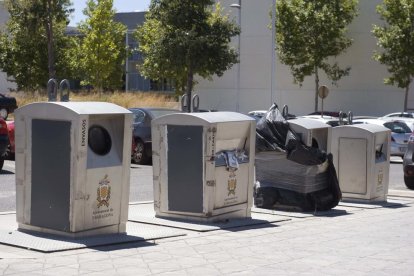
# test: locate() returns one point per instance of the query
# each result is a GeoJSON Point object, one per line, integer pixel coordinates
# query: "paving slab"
{"type": "Point", "coordinates": [44, 242]}
{"type": "Point", "coordinates": [364, 242]}
{"type": "Point", "coordinates": [401, 193]}
{"type": "Point", "coordinates": [392, 202]}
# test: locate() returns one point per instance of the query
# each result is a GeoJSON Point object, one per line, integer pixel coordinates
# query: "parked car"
{"type": "Point", "coordinates": [328, 113]}
{"type": "Point", "coordinates": [333, 121]}
{"type": "Point", "coordinates": [4, 141]}
{"type": "Point", "coordinates": [11, 147]}
{"type": "Point", "coordinates": [206, 110]}
{"type": "Point", "coordinates": [7, 106]}
{"type": "Point", "coordinates": [141, 134]}
{"type": "Point", "coordinates": [408, 120]}
{"type": "Point", "coordinates": [408, 164]}
{"type": "Point", "coordinates": [400, 115]}
{"type": "Point", "coordinates": [400, 133]}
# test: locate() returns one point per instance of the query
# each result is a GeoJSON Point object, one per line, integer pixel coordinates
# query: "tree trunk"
{"type": "Point", "coordinates": [50, 40]}
{"type": "Point", "coordinates": [316, 88]}
{"type": "Point", "coordinates": [190, 76]}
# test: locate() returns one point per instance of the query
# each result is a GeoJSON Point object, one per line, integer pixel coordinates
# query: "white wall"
{"type": "Point", "coordinates": [362, 91]}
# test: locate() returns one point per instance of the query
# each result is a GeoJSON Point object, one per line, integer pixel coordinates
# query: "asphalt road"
{"type": "Point", "coordinates": [141, 183]}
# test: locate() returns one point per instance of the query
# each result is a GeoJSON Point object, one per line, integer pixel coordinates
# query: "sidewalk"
{"type": "Point", "coordinates": [351, 240]}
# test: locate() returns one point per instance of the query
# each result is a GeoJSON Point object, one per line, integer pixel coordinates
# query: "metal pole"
{"type": "Point", "coordinates": [273, 76]}
{"type": "Point", "coordinates": [126, 63]}
{"type": "Point", "coordinates": [238, 67]}
{"type": "Point", "coordinates": [238, 6]}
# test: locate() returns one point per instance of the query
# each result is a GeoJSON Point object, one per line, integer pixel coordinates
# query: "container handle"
{"type": "Point", "coordinates": [196, 102]}
{"type": "Point", "coordinates": [64, 88]}
{"type": "Point", "coordinates": [52, 87]}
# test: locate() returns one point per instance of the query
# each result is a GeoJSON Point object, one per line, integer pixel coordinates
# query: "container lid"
{"type": "Point", "coordinates": [372, 128]}
{"type": "Point", "coordinates": [78, 107]}
{"type": "Point", "coordinates": [202, 118]}
{"type": "Point", "coordinates": [309, 123]}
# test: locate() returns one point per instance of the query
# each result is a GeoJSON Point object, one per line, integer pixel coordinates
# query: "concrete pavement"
{"type": "Point", "coordinates": [364, 240]}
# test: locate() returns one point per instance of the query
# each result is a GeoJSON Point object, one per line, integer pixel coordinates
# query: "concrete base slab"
{"type": "Point", "coordinates": [144, 213]}
{"type": "Point", "coordinates": [51, 243]}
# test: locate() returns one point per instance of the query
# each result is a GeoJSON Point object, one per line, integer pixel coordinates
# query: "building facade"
{"type": "Point", "coordinates": [362, 92]}
{"type": "Point", "coordinates": [133, 79]}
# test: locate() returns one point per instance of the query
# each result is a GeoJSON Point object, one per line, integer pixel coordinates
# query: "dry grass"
{"type": "Point", "coordinates": [127, 100]}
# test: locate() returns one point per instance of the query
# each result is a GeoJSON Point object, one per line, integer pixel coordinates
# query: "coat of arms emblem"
{"type": "Point", "coordinates": [104, 192]}
{"type": "Point", "coordinates": [232, 184]}
{"type": "Point", "coordinates": [380, 176]}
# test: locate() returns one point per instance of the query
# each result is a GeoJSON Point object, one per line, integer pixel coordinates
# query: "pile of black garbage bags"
{"type": "Point", "coordinates": [289, 174]}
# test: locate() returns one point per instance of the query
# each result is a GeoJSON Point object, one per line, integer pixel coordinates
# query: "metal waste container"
{"type": "Point", "coordinates": [203, 165]}
{"type": "Point", "coordinates": [361, 154]}
{"type": "Point", "coordinates": [72, 167]}
{"type": "Point", "coordinates": [313, 133]}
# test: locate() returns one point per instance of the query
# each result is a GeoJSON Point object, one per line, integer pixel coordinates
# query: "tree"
{"type": "Point", "coordinates": [27, 47]}
{"type": "Point", "coordinates": [181, 38]}
{"type": "Point", "coordinates": [396, 38]}
{"type": "Point", "coordinates": [310, 33]}
{"type": "Point", "coordinates": [102, 48]}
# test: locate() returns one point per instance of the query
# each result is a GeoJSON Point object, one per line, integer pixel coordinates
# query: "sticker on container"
{"type": "Point", "coordinates": [380, 179]}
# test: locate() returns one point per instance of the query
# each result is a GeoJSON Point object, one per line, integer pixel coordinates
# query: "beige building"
{"type": "Point", "coordinates": [362, 92]}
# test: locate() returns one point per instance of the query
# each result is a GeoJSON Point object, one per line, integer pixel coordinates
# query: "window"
{"type": "Point", "coordinates": [398, 127]}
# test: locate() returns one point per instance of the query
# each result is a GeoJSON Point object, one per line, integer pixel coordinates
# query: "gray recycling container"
{"type": "Point", "coordinates": [73, 167]}
{"type": "Point", "coordinates": [312, 132]}
{"type": "Point", "coordinates": [361, 155]}
{"type": "Point", "coordinates": [203, 165]}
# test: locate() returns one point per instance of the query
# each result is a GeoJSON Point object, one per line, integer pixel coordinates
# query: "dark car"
{"type": "Point", "coordinates": [7, 106]}
{"type": "Point", "coordinates": [4, 141]}
{"type": "Point", "coordinates": [329, 113]}
{"type": "Point", "coordinates": [141, 134]}
{"type": "Point", "coordinates": [408, 164]}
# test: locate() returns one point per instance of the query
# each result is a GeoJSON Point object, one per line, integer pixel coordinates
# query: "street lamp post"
{"type": "Point", "coordinates": [238, 6]}
{"type": "Point", "coordinates": [273, 66]}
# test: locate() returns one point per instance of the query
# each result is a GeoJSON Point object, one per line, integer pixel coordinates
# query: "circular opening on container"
{"type": "Point", "coordinates": [99, 140]}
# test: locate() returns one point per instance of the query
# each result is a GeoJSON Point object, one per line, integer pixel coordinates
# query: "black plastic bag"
{"type": "Point", "coordinates": [302, 154]}
{"type": "Point", "coordinates": [273, 128]}
{"type": "Point", "coordinates": [283, 199]}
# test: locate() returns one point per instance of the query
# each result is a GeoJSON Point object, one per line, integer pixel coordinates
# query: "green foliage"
{"type": "Point", "coordinates": [181, 38]}
{"type": "Point", "coordinates": [101, 51]}
{"type": "Point", "coordinates": [396, 39]}
{"type": "Point", "coordinates": [309, 33]}
{"type": "Point", "coordinates": [24, 44]}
